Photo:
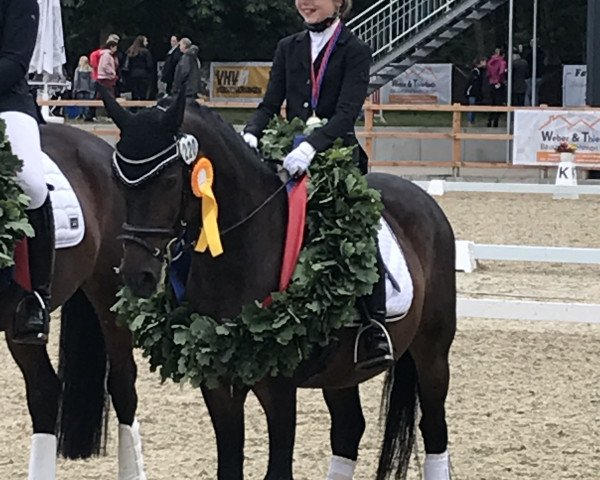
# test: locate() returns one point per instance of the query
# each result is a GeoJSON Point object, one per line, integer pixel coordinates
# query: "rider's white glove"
{"type": "Point", "coordinates": [298, 160]}
{"type": "Point", "coordinates": [250, 139]}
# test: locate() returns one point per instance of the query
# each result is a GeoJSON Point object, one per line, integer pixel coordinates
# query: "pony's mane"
{"type": "Point", "coordinates": [226, 131]}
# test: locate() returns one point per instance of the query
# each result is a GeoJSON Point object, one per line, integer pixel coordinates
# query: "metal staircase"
{"type": "Point", "coordinates": [404, 32]}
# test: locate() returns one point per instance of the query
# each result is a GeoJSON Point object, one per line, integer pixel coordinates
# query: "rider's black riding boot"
{"type": "Point", "coordinates": [374, 347]}
{"type": "Point", "coordinates": [32, 317]}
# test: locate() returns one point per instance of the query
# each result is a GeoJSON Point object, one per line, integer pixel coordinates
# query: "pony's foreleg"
{"type": "Point", "coordinates": [433, 374]}
{"type": "Point", "coordinates": [43, 393]}
{"type": "Point", "coordinates": [121, 386]}
{"type": "Point", "coordinates": [347, 428]}
{"type": "Point", "coordinates": [226, 408]}
{"type": "Point", "coordinates": [278, 399]}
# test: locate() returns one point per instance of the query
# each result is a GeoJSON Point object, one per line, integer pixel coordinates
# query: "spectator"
{"type": "Point", "coordinates": [520, 72]}
{"type": "Point", "coordinates": [540, 61]}
{"type": "Point", "coordinates": [94, 61]}
{"type": "Point", "coordinates": [107, 67]}
{"type": "Point", "coordinates": [83, 84]}
{"type": "Point", "coordinates": [140, 66]}
{"type": "Point", "coordinates": [496, 73]}
{"type": "Point", "coordinates": [173, 57]}
{"type": "Point", "coordinates": [187, 72]}
{"type": "Point", "coordinates": [474, 91]}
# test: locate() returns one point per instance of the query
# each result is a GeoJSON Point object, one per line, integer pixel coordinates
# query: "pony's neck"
{"type": "Point", "coordinates": [248, 270]}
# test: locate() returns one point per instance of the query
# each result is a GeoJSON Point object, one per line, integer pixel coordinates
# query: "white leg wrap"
{"type": "Point", "coordinates": [131, 460]}
{"type": "Point", "coordinates": [341, 468]}
{"type": "Point", "coordinates": [437, 466]}
{"type": "Point", "coordinates": [42, 460]}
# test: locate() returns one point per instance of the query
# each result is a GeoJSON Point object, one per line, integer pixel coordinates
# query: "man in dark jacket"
{"type": "Point", "coordinates": [520, 73]}
{"type": "Point", "coordinates": [173, 57]}
{"type": "Point", "coordinates": [187, 72]}
{"type": "Point", "coordinates": [474, 90]}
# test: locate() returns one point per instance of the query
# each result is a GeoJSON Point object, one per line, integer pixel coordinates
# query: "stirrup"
{"type": "Point", "coordinates": [31, 337]}
{"type": "Point", "coordinates": [384, 360]}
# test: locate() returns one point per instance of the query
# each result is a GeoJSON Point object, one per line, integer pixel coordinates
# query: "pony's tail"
{"type": "Point", "coordinates": [82, 372]}
{"type": "Point", "coordinates": [398, 409]}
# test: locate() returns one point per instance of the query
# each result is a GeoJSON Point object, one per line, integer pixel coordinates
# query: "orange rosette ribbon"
{"type": "Point", "coordinates": [202, 181]}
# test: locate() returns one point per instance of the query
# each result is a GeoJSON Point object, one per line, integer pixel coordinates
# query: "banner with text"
{"type": "Point", "coordinates": [421, 83]}
{"type": "Point", "coordinates": [574, 85]}
{"type": "Point", "coordinates": [240, 82]}
{"type": "Point", "coordinates": [538, 132]}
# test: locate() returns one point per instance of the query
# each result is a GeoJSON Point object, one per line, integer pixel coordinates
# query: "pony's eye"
{"type": "Point", "coordinates": [170, 182]}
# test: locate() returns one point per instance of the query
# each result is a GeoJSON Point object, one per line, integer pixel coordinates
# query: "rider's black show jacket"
{"type": "Point", "coordinates": [18, 33]}
{"type": "Point", "coordinates": [343, 92]}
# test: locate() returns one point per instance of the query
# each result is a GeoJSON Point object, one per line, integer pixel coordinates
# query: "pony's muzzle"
{"type": "Point", "coordinates": [143, 283]}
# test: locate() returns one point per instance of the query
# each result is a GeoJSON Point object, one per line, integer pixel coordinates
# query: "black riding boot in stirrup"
{"type": "Point", "coordinates": [32, 317]}
{"type": "Point", "coordinates": [374, 347]}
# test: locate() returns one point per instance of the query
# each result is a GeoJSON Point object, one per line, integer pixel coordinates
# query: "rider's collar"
{"type": "Point", "coordinates": [323, 25]}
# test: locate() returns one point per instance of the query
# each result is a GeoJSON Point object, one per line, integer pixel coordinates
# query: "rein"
{"type": "Point", "coordinates": [256, 210]}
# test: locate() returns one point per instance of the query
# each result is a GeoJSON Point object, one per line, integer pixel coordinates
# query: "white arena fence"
{"type": "Point", "coordinates": [439, 187]}
{"type": "Point", "coordinates": [529, 310]}
{"type": "Point", "coordinates": [469, 253]}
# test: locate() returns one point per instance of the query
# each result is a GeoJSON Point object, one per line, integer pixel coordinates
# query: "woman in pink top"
{"type": "Point", "coordinates": [107, 67]}
{"type": "Point", "coordinates": [496, 70]}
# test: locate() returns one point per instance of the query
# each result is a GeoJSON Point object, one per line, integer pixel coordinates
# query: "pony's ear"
{"type": "Point", "coordinates": [174, 115]}
{"type": "Point", "coordinates": [115, 111]}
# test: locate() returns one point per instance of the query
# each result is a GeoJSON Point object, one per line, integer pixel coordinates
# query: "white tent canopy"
{"type": "Point", "coordinates": [49, 54]}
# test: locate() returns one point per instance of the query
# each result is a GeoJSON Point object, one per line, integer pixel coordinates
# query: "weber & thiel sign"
{"type": "Point", "coordinates": [240, 81]}
{"type": "Point", "coordinates": [538, 132]}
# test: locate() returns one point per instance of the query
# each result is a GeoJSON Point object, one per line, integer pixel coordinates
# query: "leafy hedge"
{"type": "Point", "coordinates": [13, 221]}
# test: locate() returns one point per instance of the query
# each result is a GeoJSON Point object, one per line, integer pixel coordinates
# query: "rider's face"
{"type": "Point", "coordinates": [315, 11]}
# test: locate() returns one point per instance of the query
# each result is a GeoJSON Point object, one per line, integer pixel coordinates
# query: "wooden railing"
{"type": "Point", "coordinates": [457, 132]}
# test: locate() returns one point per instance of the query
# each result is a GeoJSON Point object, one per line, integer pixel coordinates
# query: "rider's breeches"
{"type": "Point", "coordinates": [24, 136]}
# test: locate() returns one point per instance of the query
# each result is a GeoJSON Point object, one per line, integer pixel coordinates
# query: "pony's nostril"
{"type": "Point", "coordinates": [148, 279]}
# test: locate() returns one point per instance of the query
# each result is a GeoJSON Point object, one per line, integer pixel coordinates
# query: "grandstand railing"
{"type": "Point", "coordinates": [388, 23]}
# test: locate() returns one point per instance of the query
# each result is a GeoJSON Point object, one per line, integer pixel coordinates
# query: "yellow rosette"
{"type": "Point", "coordinates": [202, 181]}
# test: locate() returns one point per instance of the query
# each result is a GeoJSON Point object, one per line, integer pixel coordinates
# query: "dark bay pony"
{"type": "Point", "coordinates": [249, 270]}
{"type": "Point", "coordinates": [95, 354]}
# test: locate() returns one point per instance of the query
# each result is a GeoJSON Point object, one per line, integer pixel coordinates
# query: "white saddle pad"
{"type": "Point", "coordinates": [398, 282]}
{"type": "Point", "coordinates": [68, 216]}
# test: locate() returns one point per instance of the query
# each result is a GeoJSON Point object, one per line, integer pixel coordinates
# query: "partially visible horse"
{"type": "Point", "coordinates": [95, 354]}
{"type": "Point", "coordinates": [249, 270]}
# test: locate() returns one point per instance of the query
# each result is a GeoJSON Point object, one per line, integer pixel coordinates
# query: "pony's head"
{"type": "Point", "coordinates": [152, 162]}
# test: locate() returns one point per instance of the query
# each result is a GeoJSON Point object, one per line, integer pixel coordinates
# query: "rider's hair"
{"type": "Point", "coordinates": [345, 8]}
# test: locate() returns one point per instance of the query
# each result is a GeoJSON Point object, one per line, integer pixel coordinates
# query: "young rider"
{"type": "Point", "coordinates": [323, 73]}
